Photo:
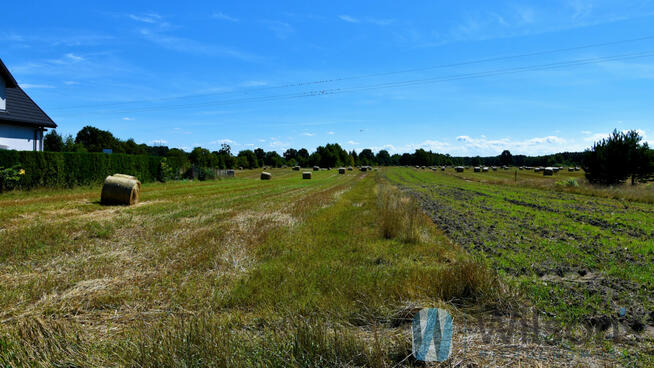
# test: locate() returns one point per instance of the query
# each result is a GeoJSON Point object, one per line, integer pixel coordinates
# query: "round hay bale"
{"type": "Point", "coordinates": [266, 175]}
{"type": "Point", "coordinates": [119, 190]}
{"type": "Point", "coordinates": [477, 169]}
{"type": "Point", "coordinates": [129, 177]}
{"type": "Point", "coordinates": [459, 169]}
{"type": "Point", "coordinates": [548, 171]}
{"type": "Point", "coordinates": [341, 170]}
{"type": "Point", "coordinates": [306, 175]}
{"type": "Point", "coordinates": [350, 168]}
{"type": "Point", "coordinates": [364, 168]}
{"type": "Point", "coordinates": [296, 168]}
{"type": "Point", "coordinates": [316, 168]}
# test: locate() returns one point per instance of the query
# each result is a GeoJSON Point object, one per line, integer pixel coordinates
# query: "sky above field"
{"type": "Point", "coordinates": [465, 77]}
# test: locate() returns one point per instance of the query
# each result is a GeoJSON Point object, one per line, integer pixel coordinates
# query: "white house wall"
{"type": "Point", "coordinates": [20, 138]}
{"type": "Point", "coordinates": [3, 95]}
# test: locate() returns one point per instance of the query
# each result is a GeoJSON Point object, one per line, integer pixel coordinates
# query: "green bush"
{"type": "Point", "coordinates": [68, 169]}
{"type": "Point", "coordinates": [165, 171]}
{"type": "Point", "coordinates": [10, 177]}
{"type": "Point", "coordinates": [570, 182]}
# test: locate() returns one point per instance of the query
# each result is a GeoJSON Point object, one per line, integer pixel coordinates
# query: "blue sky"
{"type": "Point", "coordinates": [366, 74]}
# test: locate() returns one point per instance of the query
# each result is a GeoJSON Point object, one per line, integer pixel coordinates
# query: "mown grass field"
{"type": "Point", "coordinates": [292, 272]}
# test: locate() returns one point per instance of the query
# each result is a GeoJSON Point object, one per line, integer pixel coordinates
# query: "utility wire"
{"type": "Point", "coordinates": [363, 76]}
{"type": "Point", "coordinates": [400, 84]}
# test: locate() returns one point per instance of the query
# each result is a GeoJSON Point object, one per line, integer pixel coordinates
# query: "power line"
{"type": "Point", "coordinates": [400, 84]}
{"type": "Point", "coordinates": [363, 76]}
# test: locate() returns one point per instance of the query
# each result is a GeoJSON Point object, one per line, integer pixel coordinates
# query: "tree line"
{"type": "Point", "coordinates": [610, 161]}
{"type": "Point", "coordinates": [91, 139]}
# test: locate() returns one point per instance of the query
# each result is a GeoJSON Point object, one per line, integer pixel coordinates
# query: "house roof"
{"type": "Point", "coordinates": [21, 109]}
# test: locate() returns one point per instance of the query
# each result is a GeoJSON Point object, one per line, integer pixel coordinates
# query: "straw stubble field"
{"type": "Point", "coordinates": [244, 272]}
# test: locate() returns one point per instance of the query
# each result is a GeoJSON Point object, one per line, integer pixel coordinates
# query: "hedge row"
{"type": "Point", "coordinates": [67, 169]}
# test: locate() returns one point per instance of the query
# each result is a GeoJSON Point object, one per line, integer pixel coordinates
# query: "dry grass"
{"type": "Point", "coordinates": [643, 192]}
{"type": "Point", "coordinates": [399, 215]}
{"type": "Point", "coordinates": [228, 273]}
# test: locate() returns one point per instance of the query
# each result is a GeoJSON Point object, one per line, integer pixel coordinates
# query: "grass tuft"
{"type": "Point", "coordinates": [398, 215]}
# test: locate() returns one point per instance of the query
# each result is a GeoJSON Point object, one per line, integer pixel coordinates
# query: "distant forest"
{"type": "Point", "coordinates": [91, 139]}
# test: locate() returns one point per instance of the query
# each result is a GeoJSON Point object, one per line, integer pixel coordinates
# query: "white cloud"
{"type": "Point", "coordinates": [467, 146]}
{"type": "Point", "coordinates": [388, 147]}
{"type": "Point", "coordinates": [223, 16]}
{"type": "Point", "coordinates": [254, 83]}
{"type": "Point", "coordinates": [36, 86]}
{"type": "Point", "coordinates": [67, 59]}
{"type": "Point", "coordinates": [73, 57]}
{"type": "Point", "coordinates": [353, 143]}
{"type": "Point", "coordinates": [371, 20]}
{"type": "Point", "coordinates": [595, 137]}
{"type": "Point", "coordinates": [308, 134]}
{"type": "Point", "coordinates": [151, 18]}
{"type": "Point", "coordinates": [128, 118]}
{"type": "Point", "coordinates": [158, 36]}
{"type": "Point", "coordinates": [347, 18]}
{"type": "Point", "coordinates": [71, 83]}
{"type": "Point", "coordinates": [262, 140]}
{"type": "Point", "coordinates": [224, 141]}
{"type": "Point", "coordinates": [159, 142]}
{"type": "Point", "coordinates": [281, 29]}
{"type": "Point", "coordinates": [331, 133]}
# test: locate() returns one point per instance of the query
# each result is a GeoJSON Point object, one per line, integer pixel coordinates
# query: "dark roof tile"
{"type": "Point", "coordinates": [21, 109]}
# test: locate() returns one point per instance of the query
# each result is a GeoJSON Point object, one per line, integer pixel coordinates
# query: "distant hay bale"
{"type": "Point", "coordinates": [571, 169]}
{"type": "Point", "coordinates": [477, 169]}
{"type": "Point", "coordinates": [494, 168]}
{"type": "Point", "coordinates": [548, 171]}
{"type": "Point", "coordinates": [316, 168]}
{"type": "Point", "coordinates": [485, 169]}
{"type": "Point", "coordinates": [537, 169]}
{"type": "Point", "coordinates": [266, 175]}
{"type": "Point", "coordinates": [364, 168]}
{"type": "Point", "coordinates": [120, 190]}
{"type": "Point", "coordinates": [341, 170]}
{"type": "Point", "coordinates": [296, 168]}
{"type": "Point", "coordinates": [240, 167]}
{"type": "Point", "coordinates": [442, 168]}
{"type": "Point", "coordinates": [130, 177]}
{"type": "Point", "coordinates": [230, 172]}
{"type": "Point", "coordinates": [350, 168]}
{"type": "Point", "coordinates": [306, 175]}
{"type": "Point", "coordinates": [459, 169]}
